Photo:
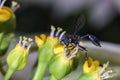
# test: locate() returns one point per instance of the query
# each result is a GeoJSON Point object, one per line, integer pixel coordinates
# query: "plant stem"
{"type": "Point", "coordinates": [2, 63]}
{"type": "Point", "coordinates": [9, 74]}
{"type": "Point", "coordinates": [40, 71]}
{"type": "Point", "coordinates": [52, 77]}
{"type": "Point", "coordinates": [2, 71]}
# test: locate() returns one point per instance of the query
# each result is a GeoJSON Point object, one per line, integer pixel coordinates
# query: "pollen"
{"type": "Point", "coordinates": [52, 31]}
{"type": "Point", "coordinates": [25, 42]}
{"type": "Point", "coordinates": [57, 33]}
{"type": "Point", "coordinates": [14, 6]}
{"type": "Point", "coordinates": [106, 72]}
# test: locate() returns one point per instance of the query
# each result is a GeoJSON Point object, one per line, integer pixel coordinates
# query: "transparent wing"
{"type": "Point", "coordinates": [79, 23]}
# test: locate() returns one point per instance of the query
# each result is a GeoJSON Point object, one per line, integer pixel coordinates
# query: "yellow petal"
{"type": "Point", "coordinates": [96, 63]}
{"type": "Point", "coordinates": [90, 65]}
{"type": "Point", "coordinates": [40, 40]}
{"type": "Point", "coordinates": [59, 49]}
{"type": "Point", "coordinates": [5, 14]}
{"type": "Point", "coordinates": [43, 37]}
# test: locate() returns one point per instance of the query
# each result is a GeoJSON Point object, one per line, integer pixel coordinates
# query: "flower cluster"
{"type": "Point", "coordinates": [62, 59]}
{"type": "Point", "coordinates": [59, 57]}
{"type": "Point", "coordinates": [7, 24]}
{"type": "Point", "coordinates": [57, 52]}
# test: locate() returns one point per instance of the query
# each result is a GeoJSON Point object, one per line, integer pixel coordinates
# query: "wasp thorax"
{"type": "Point", "coordinates": [25, 42]}
{"type": "Point", "coordinates": [59, 33]}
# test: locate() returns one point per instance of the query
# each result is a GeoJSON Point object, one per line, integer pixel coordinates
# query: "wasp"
{"type": "Point", "coordinates": [72, 41]}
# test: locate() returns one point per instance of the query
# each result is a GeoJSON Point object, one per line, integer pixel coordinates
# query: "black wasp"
{"type": "Point", "coordinates": [72, 41]}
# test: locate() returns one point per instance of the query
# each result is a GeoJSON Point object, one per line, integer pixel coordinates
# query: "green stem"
{"type": "Point", "coordinates": [53, 77]}
{"type": "Point", "coordinates": [9, 74]}
{"type": "Point", "coordinates": [40, 71]}
{"type": "Point", "coordinates": [2, 71]}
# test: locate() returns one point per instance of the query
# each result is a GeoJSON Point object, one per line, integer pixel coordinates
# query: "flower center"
{"type": "Point", "coordinates": [59, 33]}
{"type": "Point", "coordinates": [25, 42]}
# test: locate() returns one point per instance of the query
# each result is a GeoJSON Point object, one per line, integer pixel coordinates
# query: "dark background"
{"type": "Point", "coordinates": [102, 18]}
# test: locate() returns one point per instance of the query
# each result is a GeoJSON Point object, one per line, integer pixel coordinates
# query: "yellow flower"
{"type": "Point", "coordinates": [18, 57]}
{"type": "Point", "coordinates": [46, 46]}
{"type": "Point", "coordinates": [63, 62]}
{"type": "Point", "coordinates": [7, 12]}
{"type": "Point", "coordinates": [40, 40]}
{"type": "Point", "coordinates": [52, 38]}
{"type": "Point", "coordinates": [93, 71]}
{"type": "Point", "coordinates": [90, 65]}
{"type": "Point", "coordinates": [7, 17]}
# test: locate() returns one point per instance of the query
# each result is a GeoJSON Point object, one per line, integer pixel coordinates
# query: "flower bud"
{"type": "Point", "coordinates": [18, 56]}
{"type": "Point", "coordinates": [60, 66]}
{"type": "Point", "coordinates": [93, 71]}
{"type": "Point", "coordinates": [7, 17]}
{"type": "Point", "coordinates": [46, 45]}
{"type": "Point", "coordinates": [40, 40]}
{"type": "Point", "coordinates": [63, 62]}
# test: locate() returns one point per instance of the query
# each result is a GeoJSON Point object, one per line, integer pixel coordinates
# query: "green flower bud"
{"type": "Point", "coordinates": [47, 44]}
{"type": "Point", "coordinates": [7, 17]}
{"type": "Point", "coordinates": [63, 62]}
{"type": "Point", "coordinates": [45, 53]}
{"type": "Point", "coordinates": [60, 66]}
{"type": "Point", "coordinates": [18, 57]}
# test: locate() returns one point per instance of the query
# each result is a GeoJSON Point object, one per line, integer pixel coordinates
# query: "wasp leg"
{"type": "Point", "coordinates": [82, 48]}
{"type": "Point", "coordinates": [86, 55]}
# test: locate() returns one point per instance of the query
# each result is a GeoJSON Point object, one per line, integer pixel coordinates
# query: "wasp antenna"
{"type": "Point", "coordinates": [62, 34]}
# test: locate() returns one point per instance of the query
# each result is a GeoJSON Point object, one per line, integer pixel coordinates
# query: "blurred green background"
{"type": "Point", "coordinates": [102, 17]}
